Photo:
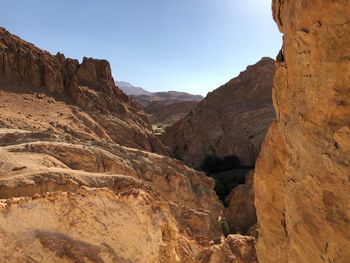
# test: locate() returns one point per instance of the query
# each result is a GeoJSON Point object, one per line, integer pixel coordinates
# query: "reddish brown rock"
{"type": "Point", "coordinates": [89, 85]}
{"type": "Point", "coordinates": [231, 121]}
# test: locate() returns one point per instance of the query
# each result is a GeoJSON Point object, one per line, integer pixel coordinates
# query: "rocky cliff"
{"type": "Point", "coordinates": [109, 115]}
{"type": "Point", "coordinates": [71, 192]}
{"type": "Point", "coordinates": [230, 122]}
{"type": "Point", "coordinates": [301, 184]}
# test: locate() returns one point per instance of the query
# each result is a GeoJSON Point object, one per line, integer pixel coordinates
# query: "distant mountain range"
{"type": "Point", "coordinates": [130, 89]}
{"type": "Point", "coordinates": [162, 108]}
{"type": "Point", "coordinates": [167, 97]}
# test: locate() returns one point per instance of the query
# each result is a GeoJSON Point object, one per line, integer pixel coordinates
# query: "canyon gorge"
{"type": "Point", "coordinates": [84, 177]}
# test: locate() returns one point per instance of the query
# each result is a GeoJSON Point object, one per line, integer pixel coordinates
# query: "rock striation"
{"type": "Point", "coordinates": [230, 121]}
{"type": "Point", "coordinates": [89, 85]}
{"type": "Point", "coordinates": [301, 183]}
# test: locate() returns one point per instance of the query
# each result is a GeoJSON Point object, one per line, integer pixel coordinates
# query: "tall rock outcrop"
{"type": "Point", "coordinates": [89, 85]}
{"type": "Point", "coordinates": [301, 183]}
{"type": "Point", "coordinates": [231, 121]}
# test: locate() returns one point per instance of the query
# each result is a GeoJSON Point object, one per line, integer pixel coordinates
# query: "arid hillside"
{"type": "Point", "coordinates": [79, 100]}
{"type": "Point", "coordinates": [231, 121]}
{"type": "Point", "coordinates": [78, 180]}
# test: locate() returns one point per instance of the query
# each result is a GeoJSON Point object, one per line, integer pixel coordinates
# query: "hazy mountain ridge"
{"type": "Point", "coordinates": [163, 107]}
{"type": "Point", "coordinates": [130, 89]}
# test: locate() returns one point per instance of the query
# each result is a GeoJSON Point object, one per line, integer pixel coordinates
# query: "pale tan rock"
{"type": "Point", "coordinates": [302, 188]}
{"type": "Point", "coordinates": [99, 226]}
{"type": "Point", "coordinates": [35, 167]}
{"type": "Point", "coordinates": [93, 225]}
{"type": "Point", "coordinates": [156, 196]}
{"type": "Point", "coordinates": [233, 249]}
{"type": "Point", "coordinates": [269, 193]}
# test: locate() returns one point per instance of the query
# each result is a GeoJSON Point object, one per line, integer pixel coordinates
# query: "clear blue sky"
{"type": "Point", "coordinates": [186, 45]}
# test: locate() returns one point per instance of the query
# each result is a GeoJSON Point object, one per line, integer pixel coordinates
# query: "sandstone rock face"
{"type": "Point", "coordinates": [240, 213]}
{"type": "Point", "coordinates": [269, 197]}
{"type": "Point", "coordinates": [30, 167]}
{"type": "Point", "coordinates": [90, 86]}
{"type": "Point", "coordinates": [68, 202]}
{"type": "Point", "coordinates": [92, 225]}
{"type": "Point", "coordinates": [301, 183]}
{"type": "Point", "coordinates": [230, 121]}
{"type": "Point", "coordinates": [96, 225]}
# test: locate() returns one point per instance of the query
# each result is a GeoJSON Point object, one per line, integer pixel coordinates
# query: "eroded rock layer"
{"type": "Point", "coordinates": [96, 225]}
{"type": "Point", "coordinates": [30, 167]}
{"type": "Point", "coordinates": [69, 190]}
{"type": "Point", "coordinates": [302, 187]}
{"type": "Point", "coordinates": [68, 202]}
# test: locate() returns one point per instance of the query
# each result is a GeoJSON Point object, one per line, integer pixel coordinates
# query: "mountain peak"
{"type": "Point", "coordinates": [130, 89]}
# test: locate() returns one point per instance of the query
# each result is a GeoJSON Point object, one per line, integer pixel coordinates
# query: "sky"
{"type": "Point", "coordinates": [185, 45]}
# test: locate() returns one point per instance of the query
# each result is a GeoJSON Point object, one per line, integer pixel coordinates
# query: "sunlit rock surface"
{"type": "Point", "coordinates": [302, 188]}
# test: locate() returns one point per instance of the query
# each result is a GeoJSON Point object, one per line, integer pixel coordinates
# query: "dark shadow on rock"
{"type": "Point", "coordinates": [227, 172]}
